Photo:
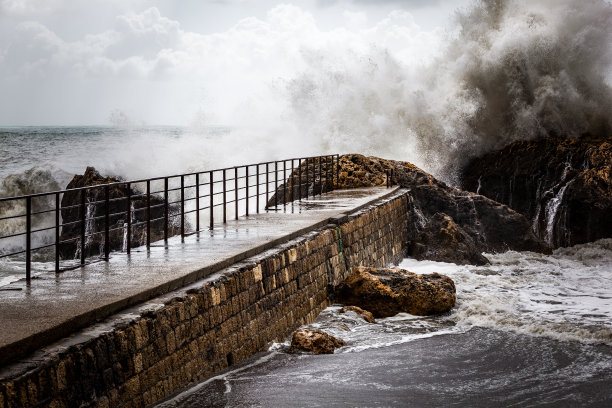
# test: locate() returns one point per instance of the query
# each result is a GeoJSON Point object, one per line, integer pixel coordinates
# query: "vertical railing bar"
{"type": "Point", "coordinates": [257, 188]}
{"type": "Point", "coordinates": [182, 207]}
{"type": "Point", "coordinates": [166, 215]}
{"type": "Point", "coordinates": [148, 212]}
{"type": "Point", "coordinates": [28, 238]}
{"type": "Point", "coordinates": [320, 177]}
{"type": "Point", "coordinates": [83, 220]}
{"type": "Point", "coordinates": [337, 171]}
{"type": "Point", "coordinates": [246, 168]}
{"type": "Point", "coordinates": [307, 178]}
{"type": "Point", "coordinates": [236, 192]}
{"type": "Point", "coordinates": [224, 198]}
{"type": "Point", "coordinates": [267, 184]}
{"type": "Point", "coordinates": [106, 222]}
{"type": "Point", "coordinates": [128, 244]}
{"type": "Point", "coordinates": [197, 192]}
{"type": "Point", "coordinates": [291, 177]}
{"type": "Point", "coordinates": [57, 232]}
{"type": "Point", "coordinates": [300, 179]}
{"type": "Point", "coordinates": [276, 185]}
{"type": "Point", "coordinates": [285, 184]}
{"type": "Point", "coordinates": [212, 188]}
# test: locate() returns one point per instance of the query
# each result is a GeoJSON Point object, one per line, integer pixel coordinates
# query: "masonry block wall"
{"type": "Point", "coordinates": [233, 315]}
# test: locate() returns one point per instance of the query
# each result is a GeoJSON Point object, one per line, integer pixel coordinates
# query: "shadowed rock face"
{"type": "Point", "coordinates": [444, 241]}
{"type": "Point", "coordinates": [317, 342]}
{"type": "Point", "coordinates": [388, 291]}
{"type": "Point", "coordinates": [492, 226]}
{"type": "Point", "coordinates": [95, 208]}
{"type": "Point", "coordinates": [563, 185]}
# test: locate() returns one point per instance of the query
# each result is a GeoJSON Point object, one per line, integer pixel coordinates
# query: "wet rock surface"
{"type": "Point", "coordinates": [95, 210]}
{"type": "Point", "coordinates": [367, 316]}
{"type": "Point", "coordinates": [563, 185]}
{"type": "Point", "coordinates": [494, 227]}
{"type": "Point", "coordinates": [388, 291]}
{"type": "Point", "coordinates": [315, 341]}
{"type": "Point", "coordinates": [443, 240]}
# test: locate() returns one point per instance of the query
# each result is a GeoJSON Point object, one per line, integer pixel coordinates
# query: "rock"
{"type": "Point", "coordinates": [562, 184]}
{"type": "Point", "coordinates": [493, 227]}
{"type": "Point", "coordinates": [95, 211]}
{"type": "Point", "coordinates": [443, 240]}
{"type": "Point", "coordinates": [388, 291]}
{"type": "Point", "coordinates": [367, 316]}
{"type": "Point", "coordinates": [317, 342]}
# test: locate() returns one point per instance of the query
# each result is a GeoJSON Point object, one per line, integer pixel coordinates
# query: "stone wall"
{"type": "Point", "coordinates": [221, 321]}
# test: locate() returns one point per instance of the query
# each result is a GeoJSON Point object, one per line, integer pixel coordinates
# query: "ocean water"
{"type": "Point", "coordinates": [527, 330]}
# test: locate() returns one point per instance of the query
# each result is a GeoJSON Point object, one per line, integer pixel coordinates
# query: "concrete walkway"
{"type": "Point", "coordinates": [53, 306]}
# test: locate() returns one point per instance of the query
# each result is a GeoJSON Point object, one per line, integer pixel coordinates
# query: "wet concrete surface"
{"type": "Point", "coordinates": [53, 306]}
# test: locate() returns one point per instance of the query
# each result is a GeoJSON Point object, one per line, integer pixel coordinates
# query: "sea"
{"type": "Point", "coordinates": [527, 330]}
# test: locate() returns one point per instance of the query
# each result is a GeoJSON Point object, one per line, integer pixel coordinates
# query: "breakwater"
{"type": "Point", "coordinates": [188, 335]}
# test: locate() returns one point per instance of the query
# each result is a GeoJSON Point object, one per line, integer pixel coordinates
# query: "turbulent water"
{"type": "Point", "coordinates": [527, 330]}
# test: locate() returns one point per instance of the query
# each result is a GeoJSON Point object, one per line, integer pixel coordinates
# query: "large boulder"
{"type": "Point", "coordinates": [388, 291]}
{"type": "Point", "coordinates": [443, 240]}
{"type": "Point", "coordinates": [562, 185]}
{"type": "Point", "coordinates": [95, 208]}
{"type": "Point", "coordinates": [492, 226]}
{"type": "Point", "coordinates": [317, 342]}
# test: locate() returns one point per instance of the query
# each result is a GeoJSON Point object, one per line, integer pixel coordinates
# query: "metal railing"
{"type": "Point", "coordinates": [158, 207]}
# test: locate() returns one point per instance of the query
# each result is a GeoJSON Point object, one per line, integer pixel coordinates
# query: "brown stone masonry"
{"type": "Point", "coordinates": [203, 330]}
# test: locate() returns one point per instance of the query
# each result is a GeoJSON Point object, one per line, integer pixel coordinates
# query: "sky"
{"type": "Point", "coordinates": [190, 62]}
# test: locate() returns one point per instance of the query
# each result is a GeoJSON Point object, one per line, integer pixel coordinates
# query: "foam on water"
{"type": "Point", "coordinates": [566, 296]}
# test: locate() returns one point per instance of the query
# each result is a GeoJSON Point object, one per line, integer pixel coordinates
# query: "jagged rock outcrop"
{"type": "Point", "coordinates": [388, 291]}
{"type": "Point", "coordinates": [492, 226]}
{"type": "Point", "coordinates": [443, 240]}
{"type": "Point", "coordinates": [317, 342]}
{"type": "Point", "coordinates": [95, 220]}
{"type": "Point", "coordinates": [563, 185]}
{"type": "Point", "coordinates": [364, 314]}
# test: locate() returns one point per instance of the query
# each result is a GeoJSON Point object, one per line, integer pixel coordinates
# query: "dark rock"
{"type": "Point", "coordinates": [444, 241]}
{"type": "Point", "coordinates": [367, 316]}
{"type": "Point", "coordinates": [388, 291]}
{"type": "Point", "coordinates": [317, 342]}
{"type": "Point", "coordinates": [492, 226]}
{"type": "Point", "coordinates": [563, 185]}
{"type": "Point", "coordinates": [95, 208]}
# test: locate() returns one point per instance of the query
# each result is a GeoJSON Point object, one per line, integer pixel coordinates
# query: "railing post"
{"type": "Point", "coordinates": [28, 238]}
{"type": "Point", "coordinates": [182, 207]}
{"type": "Point", "coordinates": [236, 191]}
{"type": "Point", "coordinates": [320, 177]}
{"type": "Point", "coordinates": [57, 232]}
{"type": "Point", "coordinates": [291, 177]}
{"type": "Point", "coordinates": [307, 178]}
{"type": "Point", "coordinates": [300, 181]}
{"type": "Point", "coordinates": [275, 185]}
{"type": "Point", "coordinates": [128, 243]}
{"type": "Point", "coordinates": [246, 168]}
{"type": "Point", "coordinates": [224, 198]}
{"type": "Point", "coordinates": [212, 189]}
{"type": "Point", "coordinates": [267, 184]}
{"type": "Point", "coordinates": [148, 212]}
{"type": "Point", "coordinates": [257, 188]}
{"type": "Point", "coordinates": [106, 222]}
{"type": "Point", "coordinates": [337, 171]}
{"type": "Point", "coordinates": [166, 217]}
{"type": "Point", "coordinates": [285, 184]}
{"type": "Point", "coordinates": [83, 220]}
{"type": "Point", "coordinates": [197, 192]}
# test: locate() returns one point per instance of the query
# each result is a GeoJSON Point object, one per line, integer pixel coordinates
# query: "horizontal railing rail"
{"type": "Point", "coordinates": [147, 210]}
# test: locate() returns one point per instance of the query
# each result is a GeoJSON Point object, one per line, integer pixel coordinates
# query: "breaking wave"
{"type": "Point", "coordinates": [510, 70]}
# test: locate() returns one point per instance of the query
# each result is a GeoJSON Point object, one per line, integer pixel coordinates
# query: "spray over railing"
{"type": "Point", "coordinates": [139, 212]}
